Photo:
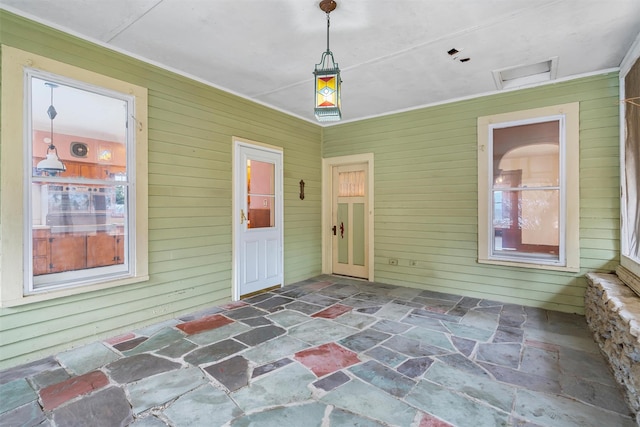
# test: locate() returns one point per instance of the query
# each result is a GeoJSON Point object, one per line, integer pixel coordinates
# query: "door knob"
{"type": "Point", "coordinates": [334, 230]}
{"type": "Point", "coordinates": [242, 216]}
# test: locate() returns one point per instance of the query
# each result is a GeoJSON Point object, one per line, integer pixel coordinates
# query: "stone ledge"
{"type": "Point", "coordinates": [612, 311]}
{"type": "Point", "coordinates": [619, 299]}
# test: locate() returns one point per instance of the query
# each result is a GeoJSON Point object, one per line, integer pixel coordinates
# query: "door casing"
{"type": "Point", "coordinates": [327, 177]}
{"type": "Point", "coordinates": [237, 205]}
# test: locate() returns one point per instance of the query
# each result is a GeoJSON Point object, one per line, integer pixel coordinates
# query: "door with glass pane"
{"type": "Point", "coordinates": [258, 222]}
{"type": "Point", "coordinates": [349, 211]}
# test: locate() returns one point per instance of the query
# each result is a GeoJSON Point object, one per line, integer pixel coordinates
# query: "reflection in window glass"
{"type": "Point", "coordinates": [79, 211]}
{"type": "Point", "coordinates": [526, 190]}
{"type": "Point", "coordinates": [261, 194]}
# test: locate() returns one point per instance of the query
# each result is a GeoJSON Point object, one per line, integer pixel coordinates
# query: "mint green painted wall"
{"type": "Point", "coordinates": [426, 193]}
{"type": "Point", "coordinates": [190, 150]}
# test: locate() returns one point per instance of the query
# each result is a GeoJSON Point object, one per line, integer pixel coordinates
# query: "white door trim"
{"type": "Point", "coordinates": [327, 167]}
{"type": "Point", "coordinates": [236, 205]}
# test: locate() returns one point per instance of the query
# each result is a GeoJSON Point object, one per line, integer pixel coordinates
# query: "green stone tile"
{"type": "Point", "coordinates": [454, 408]}
{"type": "Point", "coordinates": [156, 327]}
{"type": "Point", "coordinates": [577, 342]}
{"type": "Point", "coordinates": [162, 388]}
{"type": "Point", "coordinates": [287, 318]}
{"type": "Point", "coordinates": [290, 385]}
{"type": "Point", "coordinates": [340, 418]}
{"type": "Point", "coordinates": [504, 354]}
{"type": "Point", "coordinates": [274, 350]}
{"type": "Point", "coordinates": [87, 358]}
{"type": "Point", "coordinates": [466, 331]}
{"type": "Point", "coordinates": [481, 320]}
{"type": "Point", "coordinates": [177, 349]}
{"type": "Point", "coordinates": [392, 311]}
{"type": "Point", "coordinates": [308, 415]}
{"type": "Point", "coordinates": [482, 388]}
{"type": "Point", "coordinates": [161, 339]}
{"type": "Point", "coordinates": [46, 378]}
{"type": "Point", "coordinates": [557, 411]}
{"type": "Point", "coordinates": [320, 331]}
{"type": "Point", "coordinates": [219, 334]}
{"type": "Point", "coordinates": [148, 421]}
{"type": "Point", "coordinates": [15, 393]}
{"type": "Point", "coordinates": [405, 293]}
{"type": "Point", "coordinates": [363, 400]}
{"type": "Point", "coordinates": [26, 415]}
{"type": "Point", "coordinates": [384, 378]}
{"type": "Point", "coordinates": [583, 364]}
{"type": "Point", "coordinates": [205, 406]}
{"type": "Point", "coordinates": [355, 320]}
{"type": "Point", "coordinates": [431, 337]}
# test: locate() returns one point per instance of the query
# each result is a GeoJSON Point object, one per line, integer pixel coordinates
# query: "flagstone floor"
{"type": "Point", "coordinates": [330, 352]}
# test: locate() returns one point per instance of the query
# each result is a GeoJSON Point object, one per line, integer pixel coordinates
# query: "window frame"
{"type": "Point", "coordinates": [15, 227]}
{"type": "Point", "coordinates": [627, 261]}
{"type": "Point", "coordinates": [569, 209]}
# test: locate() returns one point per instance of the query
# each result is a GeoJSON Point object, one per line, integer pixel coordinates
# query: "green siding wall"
{"type": "Point", "coordinates": [190, 190]}
{"type": "Point", "coordinates": [426, 193]}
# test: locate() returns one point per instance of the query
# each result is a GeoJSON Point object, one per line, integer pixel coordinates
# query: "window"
{"type": "Point", "coordinates": [77, 184]}
{"type": "Point", "coordinates": [630, 174]}
{"type": "Point", "coordinates": [79, 224]}
{"type": "Point", "coordinates": [528, 188]}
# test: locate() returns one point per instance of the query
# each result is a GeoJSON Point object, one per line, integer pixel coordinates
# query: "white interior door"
{"type": "Point", "coordinates": [258, 219]}
{"type": "Point", "coordinates": [350, 213]}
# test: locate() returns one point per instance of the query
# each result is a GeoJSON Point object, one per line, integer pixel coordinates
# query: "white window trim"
{"type": "Point", "coordinates": [13, 149]}
{"type": "Point", "coordinates": [570, 195]}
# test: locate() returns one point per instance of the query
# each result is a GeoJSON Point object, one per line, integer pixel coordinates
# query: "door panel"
{"type": "Point", "coordinates": [343, 233]}
{"type": "Point", "coordinates": [350, 207]}
{"type": "Point", "coordinates": [358, 234]}
{"type": "Point", "coordinates": [258, 219]}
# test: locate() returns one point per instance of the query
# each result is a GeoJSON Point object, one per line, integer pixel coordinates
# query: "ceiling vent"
{"type": "Point", "coordinates": [523, 75]}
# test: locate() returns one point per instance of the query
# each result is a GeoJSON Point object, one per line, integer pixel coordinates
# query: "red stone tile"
{"type": "Point", "coordinates": [326, 358]}
{"type": "Point", "coordinates": [120, 338]}
{"type": "Point", "coordinates": [57, 394]}
{"type": "Point", "coordinates": [232, 305]}
{"type": "Point", "coordinates": [431, 421]}
{"type": "Point", "coordinates": [333, 311]}
{"type": "Point", "coordinates": [204, 324]}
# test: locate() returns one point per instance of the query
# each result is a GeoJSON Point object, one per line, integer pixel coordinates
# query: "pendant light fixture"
{"type": "Point", "coordinates": [52, 165]}
{"type": "Point", "coordinates": [327, 78]}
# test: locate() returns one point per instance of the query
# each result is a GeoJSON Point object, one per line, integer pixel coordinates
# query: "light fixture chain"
{"type": "Point", "coordinates": [328, 25]}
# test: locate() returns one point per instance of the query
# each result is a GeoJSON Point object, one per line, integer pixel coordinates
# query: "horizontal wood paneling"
{"type": "Point", "coordinates": [426, 193]}
{"type": "Point", "coordinates": [191, 127]}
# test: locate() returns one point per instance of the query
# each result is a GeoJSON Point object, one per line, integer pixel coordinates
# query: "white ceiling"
{"type": "Point", "coordinates": [393, 54]}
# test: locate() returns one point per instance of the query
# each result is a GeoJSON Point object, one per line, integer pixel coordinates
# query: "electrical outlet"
{"type": "Point", "coordinates": [413, 262]}
{"type": "Point", "coordinates": [393, 261]}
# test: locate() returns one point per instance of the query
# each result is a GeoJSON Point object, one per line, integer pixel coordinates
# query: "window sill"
{"type": "Point", "coordinates": [59, 293]}
{"type": "Point", "coordinates": [532, 265]}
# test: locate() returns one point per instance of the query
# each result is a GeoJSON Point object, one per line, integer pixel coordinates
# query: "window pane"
{"type": "Point", "coordinates": [527, 156]}
{"type": "Point", "coordinates": [526, 222]}
{"type": "Point", "coordinates": [79, 199]}
{"type": "Point", "coordinates": [351, 184]}
{"type": "Point", "coordinates": [260, 194]}
{"type": "Point", "coordinates": [631, 173]}
{"type": "Point", "coordinates": [85, 130]}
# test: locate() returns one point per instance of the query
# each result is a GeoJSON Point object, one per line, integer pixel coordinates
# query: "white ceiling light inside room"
{"type": "Point", "coordinates": [327, 78]}
{"type": "Point", "coordinates": [52, 165]}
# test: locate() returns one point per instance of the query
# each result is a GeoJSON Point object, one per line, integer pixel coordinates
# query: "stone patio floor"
{"type": "Point", "coordinates": [329, 352]}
